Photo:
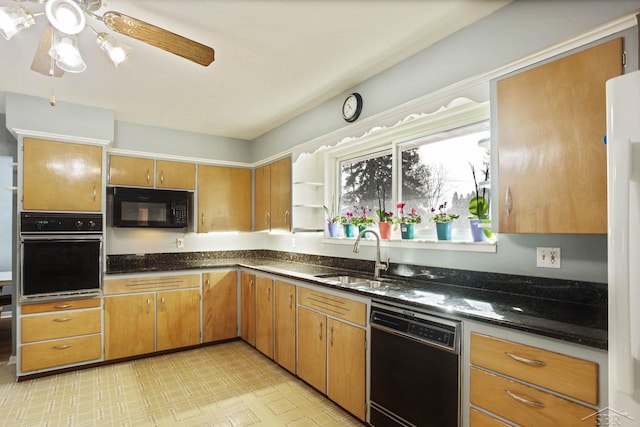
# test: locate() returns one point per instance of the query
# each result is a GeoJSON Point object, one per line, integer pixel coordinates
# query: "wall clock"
{"type": "Point", "coordinates": [352, 107]}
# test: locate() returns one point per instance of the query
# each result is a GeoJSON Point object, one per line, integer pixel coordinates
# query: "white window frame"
{"type": "Point", "coordinates": [459, 113]}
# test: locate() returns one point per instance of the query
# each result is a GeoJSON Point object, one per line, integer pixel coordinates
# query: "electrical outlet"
{"type": "Point", "coordinates": [179, 243]}
{"type": "Point", "coordinates": [548, 257]}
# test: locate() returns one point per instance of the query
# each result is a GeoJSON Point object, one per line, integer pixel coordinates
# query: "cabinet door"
{"type": "Point", "coordinates": [125, 170]}
{"type": "Point", "coordinates": [262, 191]}
{"type": "Point", "coordinates": [346, 365]}
{"type": "Point", "coordinates": [178, 319]}
{"type": "Point", "coordinates": [552, 162]}
{"type": "Point", "coordinates": [129, 322]}
{"type": "Point", "coordinates": [224, 199]}
{"type": "Point", "coordinates": [219, 306]}
{"type": "Point", "coordinates": [264, 315]}
{"type": "Point", "coordinates": [178, 175]}
{"type": "Point", "coordinates": [61, 176]}
{"type": "Point", "coordinates": [248, 308]}
{"type": "Point", "coordinates": [285, 326]}
{"type": "Point", "coordinates": [281, 194]}
{"type": "Point", "coordinates": [312, 348]}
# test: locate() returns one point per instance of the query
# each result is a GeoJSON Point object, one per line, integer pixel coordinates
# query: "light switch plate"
{"type": "Point", "coordinates": [548, 257]}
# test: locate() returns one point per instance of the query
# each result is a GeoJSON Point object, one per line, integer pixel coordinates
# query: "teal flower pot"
{"type": "Point", "coordinates": [361, 228]}
{"type": "Point", "coordinates": [443, 230]}
{"type": "Point", "coordinates": [407, 231]}
{"type": "Point", "coordinates": [349, 230]}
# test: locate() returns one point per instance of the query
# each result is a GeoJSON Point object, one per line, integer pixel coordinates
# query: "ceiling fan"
{"type": "Point", "coordinates": [58, 51]}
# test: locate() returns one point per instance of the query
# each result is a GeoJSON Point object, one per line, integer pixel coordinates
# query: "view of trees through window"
{"type": "Point", "coordinates": [434, 169]}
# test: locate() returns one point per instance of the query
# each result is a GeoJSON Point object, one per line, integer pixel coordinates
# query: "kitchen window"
{"type": "Point", "coordinates": [424, 168]}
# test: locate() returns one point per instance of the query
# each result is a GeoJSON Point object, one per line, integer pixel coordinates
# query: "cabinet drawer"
{"type": "Point", "coordinates": [60, 352]}
{"type": "Point", "coordinates": [568, 375]}
{"type": "Point", "coordinates": [480, 419]}
{"type": "Point", "coordinates": [150, 283]}
{"type": "Point", "coordinates": [332, 305]}
{"type": "Point", "coordinates": [60, 325]}
{"type": "Point", "coordinates": [44, 307]}
{"type": "Point", "coordinates": [526, 405]}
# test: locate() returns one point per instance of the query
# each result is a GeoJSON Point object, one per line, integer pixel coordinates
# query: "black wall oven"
{"type": "Point", "coordinates": [60, 255]}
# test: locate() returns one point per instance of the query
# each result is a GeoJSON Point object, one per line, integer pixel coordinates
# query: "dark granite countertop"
{"type": "Point", "coordinates": [571, 311]}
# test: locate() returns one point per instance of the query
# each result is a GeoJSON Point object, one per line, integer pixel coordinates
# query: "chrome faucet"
{"type": "Point", "coordinates": [380, 265]}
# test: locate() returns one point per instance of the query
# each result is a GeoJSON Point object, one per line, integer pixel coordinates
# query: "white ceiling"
{"type": "Point", "coordinates": [274, 58]}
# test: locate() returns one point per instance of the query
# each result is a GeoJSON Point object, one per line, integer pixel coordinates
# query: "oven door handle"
{"type": "Point", "coordinates": [61, 237]}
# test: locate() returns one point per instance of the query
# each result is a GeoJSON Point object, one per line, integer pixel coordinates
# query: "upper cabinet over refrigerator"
{"type": "Point", "coordinates": [623, 167]}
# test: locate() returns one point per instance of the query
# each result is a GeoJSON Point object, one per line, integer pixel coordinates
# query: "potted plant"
{"type": "Point", "coordinates": [479, 210]}
{"type": "Point", "coordinates": [443, 221]}
{"type": "Point", "coordinates": [333, 222]}
{"type": "Point", "coordinates": [408, 221]}
{"type": "Point", "coordinates": [385, 219]}
{"type": "Point", "coordinates": [347, 223]}
{"type": "Point", "coordinates": [363, 220]}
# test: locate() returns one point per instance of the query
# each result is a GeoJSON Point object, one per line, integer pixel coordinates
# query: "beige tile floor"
{"type": "Point", "coordinates": [228, 384]}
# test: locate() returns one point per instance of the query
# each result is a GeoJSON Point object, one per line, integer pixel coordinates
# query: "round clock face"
{"type": "Point", "coordinates": [352, 107]}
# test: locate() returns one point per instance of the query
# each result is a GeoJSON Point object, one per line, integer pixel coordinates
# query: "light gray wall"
{"type": "Point", "coordinates": [513, 32]}
{"type": "Point", "coordinates": [131, 136]}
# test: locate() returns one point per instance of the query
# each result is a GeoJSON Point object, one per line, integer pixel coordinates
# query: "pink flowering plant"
{"type": "Point", "coordinates": [362, 219]}
{"type": "Point", "coordinates": [442, 215]}
{"type": "Point", "coordinates": [410, 217]}
{"type": "Point", "coordinates": [347, 218]}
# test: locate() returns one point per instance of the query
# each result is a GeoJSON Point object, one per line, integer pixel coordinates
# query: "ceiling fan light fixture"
{"type": "Point", "coordinates": [65, 52]}
{"type": "Point", "coordinates": [65, 16]}
{"type": "Point", "coordinates": [117, 51]}
{"type": "Point", "coordinates": [13, 19]}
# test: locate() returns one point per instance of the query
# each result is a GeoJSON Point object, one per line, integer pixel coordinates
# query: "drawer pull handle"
{"type": "Point", "coordinates": [62, 347]}
{"type": "Point", "coordinates": [525, 360]}
{"type": "Point", "coordinates": [320, 331]}
{"type": "Point", "coordinates": [525, 401]}
{"type": "Point", "coordinates": [291, 301]}
{"type": "Point", "coordinates": [148, 176]}
{"type": "Point", "coordinates": [63, 319]}
{"type": "Point", "coordinates": [63, 306]}
{"type": "Point", "coordinates": [507, 201]}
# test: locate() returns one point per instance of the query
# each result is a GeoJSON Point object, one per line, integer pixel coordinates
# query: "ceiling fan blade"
{"type": "Point", "coordinates": [42, 62]}
{"type": "Point", "coordinates": [159, 37]}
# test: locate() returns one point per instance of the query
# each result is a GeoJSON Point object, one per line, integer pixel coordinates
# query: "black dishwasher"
{"type": "Point", "coordinates": [415, 368]}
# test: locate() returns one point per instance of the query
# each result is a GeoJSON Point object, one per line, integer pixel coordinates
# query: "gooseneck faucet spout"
{"type": "Point", "coordinates": [380, 265]}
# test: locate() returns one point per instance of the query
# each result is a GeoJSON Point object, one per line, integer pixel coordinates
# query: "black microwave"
{"type": "Point", "coordinates": [151, 208]}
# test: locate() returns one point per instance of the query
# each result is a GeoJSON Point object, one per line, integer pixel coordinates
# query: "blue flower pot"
{"type": "Point", "coordinates": [477, 233]}
{"type": "Point", "coordinates": [407, 231]}
{"type": "Point", "coordinates": [443, 230]}
{"type": "Point", "coordinates": [334, 229]}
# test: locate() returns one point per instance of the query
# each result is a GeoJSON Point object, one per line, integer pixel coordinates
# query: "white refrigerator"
{"type": "Point", "coordinates": [623, 167]}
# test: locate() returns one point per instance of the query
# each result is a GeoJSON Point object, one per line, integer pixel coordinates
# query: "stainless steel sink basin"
{"type": "Point", "coordinates": [346, 279]}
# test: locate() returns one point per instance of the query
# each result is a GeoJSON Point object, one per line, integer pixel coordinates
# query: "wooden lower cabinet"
{"type": "Point", "coordinates": [312, 348]}
{"type": "Point", "coordinates": [285, 325]}
{"type": "Point", "coordinates": [332, 353]}
{"type": "Point", "coordinates": [129, 322]}
{"type": "Point", "coordinates": [177, 319]}
{"type": "Point", "coordinates": [530, 386]}
{"type": "Point", "coordinates": [219, 306]}
{"type": "Point", "coordinates": [55, 334]}
{"type": "Point", "coordinates": [248, 308]}
{"type": "Point", "coordinates": [264, 315]}
{"type": "Point", "coordinates": [139, 323]}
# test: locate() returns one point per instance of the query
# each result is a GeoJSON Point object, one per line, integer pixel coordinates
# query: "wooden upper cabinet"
{"type": "Point", "coordinates": [281, 194]}
{"type": "Point", "coordinates": [126, 170]}
{"type": "Point", "coordinates": [552, 161]}
{"type": "Point", "coordinates": [224, 199]}
{"type": "Point", "coordinates": [272, 188]}
{"type": "Point", "coordinates": [61, 176]}
{"type": "Point", "coordinates": [262, 191]}
{"type": "Point", "coordinates": [177, 175]}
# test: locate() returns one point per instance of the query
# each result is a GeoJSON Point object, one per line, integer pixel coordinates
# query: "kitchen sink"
{"type": "Point", "coordinates": [352, 280]}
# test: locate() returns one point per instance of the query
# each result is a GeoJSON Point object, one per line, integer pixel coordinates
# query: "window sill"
{"type": "Point", "coordinates": [440, 245]}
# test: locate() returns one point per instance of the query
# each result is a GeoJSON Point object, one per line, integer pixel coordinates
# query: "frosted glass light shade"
{"type": "Point", "coordinates": [66, 53]}
{"type": "Point", "coordinates": [118, 52]}
{"type": "Point", "coordinates": [13, 19]}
